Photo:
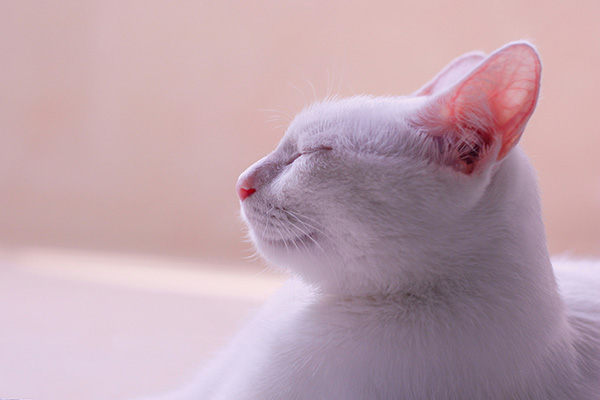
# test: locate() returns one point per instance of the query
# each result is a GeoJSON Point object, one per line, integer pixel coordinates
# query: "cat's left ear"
{"type": "Point", "coordinates": [452, 73]}
{"type": "Point", "coordinates": [488, 109]}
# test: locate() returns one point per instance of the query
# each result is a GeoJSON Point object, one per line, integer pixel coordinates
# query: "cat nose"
{"type": "Point", "coordinates": [245, 187]}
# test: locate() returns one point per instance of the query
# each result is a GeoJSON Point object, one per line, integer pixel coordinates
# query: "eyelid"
{"type": "Point", "coordinates": [309, 150]}
{"type": "Point", "coordinates": [316, 149]}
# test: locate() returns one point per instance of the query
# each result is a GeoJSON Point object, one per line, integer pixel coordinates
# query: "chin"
{"type": "Point", "coordinates": [278, 254]}
{"type": "Point", "coordinates": [295, 258]}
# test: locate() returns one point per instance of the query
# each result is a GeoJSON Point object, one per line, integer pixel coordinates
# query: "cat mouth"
{"type": "Point", "coordinates": [280, 229]}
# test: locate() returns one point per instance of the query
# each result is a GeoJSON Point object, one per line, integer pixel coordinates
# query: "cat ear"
{"type": "Point", "coordinates": [452, 73]}
{"type": "Point", "coordinates": [491, 105]}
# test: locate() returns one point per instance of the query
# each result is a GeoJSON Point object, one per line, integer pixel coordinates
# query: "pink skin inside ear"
{"type": "Point", "coordinates": [510, 81]}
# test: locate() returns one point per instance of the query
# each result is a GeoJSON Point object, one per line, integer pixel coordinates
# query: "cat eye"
{"type": "Point", "coordinates": [307, 151]}
{"type": "Point", "coordinates": [315, 149]}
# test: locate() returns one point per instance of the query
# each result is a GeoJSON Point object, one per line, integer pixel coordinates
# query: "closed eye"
{"type": "Point", "coordinates": [294, 158]}
{"type": "Point", "coordinates": [307, 151]}
{"type": "Point", "coordinates": [315, 149]}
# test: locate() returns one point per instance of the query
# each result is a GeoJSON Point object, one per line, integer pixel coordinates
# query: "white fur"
{"type": "Point", "coordinates": [414, 277]}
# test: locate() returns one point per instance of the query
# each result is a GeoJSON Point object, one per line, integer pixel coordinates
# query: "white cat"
{"type": "Point", "coordinates": [413, 230]}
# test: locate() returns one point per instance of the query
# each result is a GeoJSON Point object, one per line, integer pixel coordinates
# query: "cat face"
{"type": "Point", "coordinates": [360, 184]}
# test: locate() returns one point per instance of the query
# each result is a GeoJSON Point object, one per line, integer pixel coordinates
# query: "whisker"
{"type": "Point", "coordinates": [291, 234]}
{"type": "Point", "coordinates": [308, 236]}
{"type": "Point", "coordinates": [314, 90]}
{"type": "Point", "coordinates": [284, 113]}
{"type": "Point", "coordinates": [300, 218]}
{"type": "Point", "coordinates": [342, 73]}
{"type": "Point", "coordinates": [306, 103]}
{"type": "Point", "coordinates": [305, 233]}
{"type": "Point", "coordinates": [329, 84]}
{"type": "Point", "coordinates": [263, 271]}
{"type": "Point", "coordinates": [266, 215]}
{"type": "Point", "coordinates": [310, 227]}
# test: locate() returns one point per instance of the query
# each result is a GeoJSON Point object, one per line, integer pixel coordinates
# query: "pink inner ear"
{"type": "Point", "coordinates": [498, 97]}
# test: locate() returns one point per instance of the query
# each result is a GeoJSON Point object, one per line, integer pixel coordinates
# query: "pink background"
{"type": "Point", "coordinates": [124, 125]}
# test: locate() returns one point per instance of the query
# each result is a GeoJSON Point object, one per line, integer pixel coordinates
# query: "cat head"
{"type": "Point", "coordinates": [365, 189]}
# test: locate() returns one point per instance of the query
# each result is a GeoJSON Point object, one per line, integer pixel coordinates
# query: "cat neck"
{"type": "Point", "coordinates": [498, 254]}
{"type": "Point", "coordinates": [493, 287]}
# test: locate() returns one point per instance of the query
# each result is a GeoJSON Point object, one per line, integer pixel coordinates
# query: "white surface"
{"type": "Point", "coordinates": [89, 326]}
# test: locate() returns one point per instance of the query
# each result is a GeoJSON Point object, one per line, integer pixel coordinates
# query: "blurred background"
{"type": "Point", "coordinates": [124, 126]}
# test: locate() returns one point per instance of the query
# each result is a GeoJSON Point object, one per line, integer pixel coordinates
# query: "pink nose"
{"type": "Point", "coordinates": [244, 188]}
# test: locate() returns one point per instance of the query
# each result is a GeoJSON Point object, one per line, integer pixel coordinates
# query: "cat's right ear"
{"type": "Point", "coordinates": [482, 116]}
{"type": "Point", "coordinates": [451, 74]}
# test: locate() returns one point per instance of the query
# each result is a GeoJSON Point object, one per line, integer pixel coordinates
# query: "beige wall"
{"type": "Point", "coordinates": [124, 125]}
